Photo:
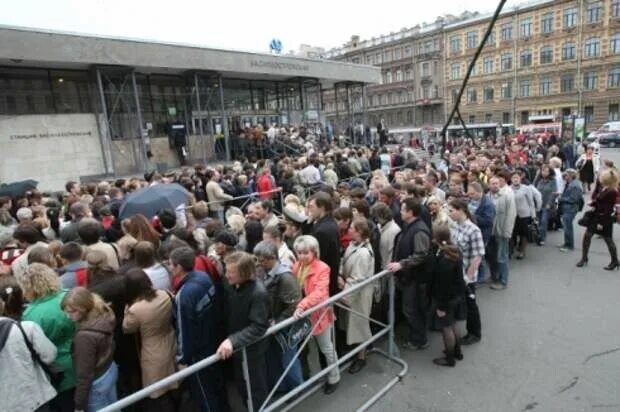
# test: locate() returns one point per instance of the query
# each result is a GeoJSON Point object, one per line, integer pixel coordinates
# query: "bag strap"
{"type": "Point", "coordinates": [33, 352]}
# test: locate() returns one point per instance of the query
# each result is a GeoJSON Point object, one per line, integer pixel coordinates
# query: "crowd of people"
{"type": "Point", "coordinates": [94, 307]}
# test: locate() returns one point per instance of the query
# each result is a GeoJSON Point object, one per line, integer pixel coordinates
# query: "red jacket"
{"type": "Point", "coordinates": [316, 291]}
{"type": "Point", "coordinates": [263, 184]}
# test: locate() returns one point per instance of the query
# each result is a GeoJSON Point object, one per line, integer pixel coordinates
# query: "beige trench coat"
{"type": "Point", "coordinates": [153, 321]}
{"type": "Point", "coordinates": [358, 264]}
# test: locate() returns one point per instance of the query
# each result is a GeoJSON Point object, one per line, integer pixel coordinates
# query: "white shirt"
{"type": "Point", "coordinates": [310, 175]}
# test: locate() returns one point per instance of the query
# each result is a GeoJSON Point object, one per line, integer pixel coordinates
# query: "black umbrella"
{"type": "Point", "coordinates": [16, 189]}
{"type": "Point", "coordinates": [149, 200]}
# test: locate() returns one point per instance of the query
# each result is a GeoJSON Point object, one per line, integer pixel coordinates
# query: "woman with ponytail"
{"type": "Point", "coordinates": [448, 289]}
{"type": "Point", "coordinates": [93, 349]}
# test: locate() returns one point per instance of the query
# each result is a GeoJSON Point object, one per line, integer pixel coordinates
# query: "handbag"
{"type": "Point", "coordinates": [587, 219]}
{"type": "Point", "coordinates": [533, 232]}
{"type": "Point", "coordinates": [292, 336]}
{"type": "Point", "coordinates": [54, 373]}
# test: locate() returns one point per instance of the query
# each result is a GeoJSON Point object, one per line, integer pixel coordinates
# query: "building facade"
{"type": "Point", "coordinates": [411, 92]}
{"type": "Point", "coordinates": [552, 57]}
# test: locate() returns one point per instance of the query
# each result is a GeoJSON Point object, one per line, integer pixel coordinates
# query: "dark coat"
{"type": "Point", "coordinates": [448, 284]}
{"type": "Point", "coordinates": [248, 316]}
{"type": "Point", "coordinates": [485, 214]}
{"type": "Point", "coordinates": [326, 233]}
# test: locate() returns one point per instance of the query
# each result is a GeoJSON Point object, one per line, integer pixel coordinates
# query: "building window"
{"type": "Point", "coordinates": [472, 95]}
{"type": "Point", "coordinates": [389, 76]}
{"type": "Point", "coordinates": [506, 62]}
{"type": "Point", "coordinates": [488, 65]}
{"type": "Point", "coordinates": [506, 117]}
{"type": "Point", "coordinates": [545, 87]}
{"type": "Point", "coordinates": [594, 12]}
{"type": "Point", "coordinates": [472, 39]}
{"type": "Point", "coordinates": [394, 98]}
{"type": "Point", "coordinates": [355, 60]}
{"type": "Point", "coordinates": [614, 44]}
{"type": "Point", "coordinates": [491, 39]}
{"type": "Point", "coordinates": [592, 47]}
{"type": "Point", "coordinates": [376, 100]}
{"type": "Point", "coordinates": [488, 118]}
{"type": "Point", "coordinates": [507, 90]}
{"type": "Point", "coordinates": [397, 54]}
{"type": "Point", "coordinates": [567, 83]}
{"type": "Point", "coordinates": [378, 59]}
{"type": "Point", "coordinates": [488, 94]}
{"type": "Point", "coordinates": [588, 114]}
{"type": "Point", "coordinates": [590, 80]}
{"type": "Point", "coordinates": [568, 51]}
{"type": "Point", "coordinates": [524, 88]}
{"type": "Point", "coordinates": [474, 70]}
{"type": "Point", "coordinates": [384, 99]}
{"type": "Point", "coordinates": [456, 71]}
{"type": "Point", "coordinates": [570, 17]}
{"type": "Point", "coordinates": [408, 74]}
{"type": "Point", "coordinates": [546, 55]}
{"type": "Point", "coordinates": [407, 51]}
{"type": "Point", "coordinates": [615, 8]}
{"type": "Point", "coordinates": [399, 75]}
{"type": "Point", "coordinates": [507, 31]}
{"type": "Point", "coordinates": [526, 58]}
{"type": "Point", "coordinates": [435, 92]}
{"type": "Point", "coordinates": [370, 60]}
{"type": "Point", "coordinates": [614, 113]}
{"type": "Point", "coordinates": [426, 69]}
{"type": "Point", "coordinates": [613, 78]}
{"type": "Point", "coordinates": [387, 55]}
{"type": "Point", "coordinates": [471, 119]}
{"type": "Point", "coordinates": [435, 67]}
{"type": "Point", "coordinates": [455, 44]}
{"type": "Point", "coordinates": [526, 28]}
{"type": "Point", "coordinates": [546, 23]}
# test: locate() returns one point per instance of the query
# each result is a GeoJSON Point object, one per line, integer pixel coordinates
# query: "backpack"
{"type": "Point", "coordinates": [81, 277]}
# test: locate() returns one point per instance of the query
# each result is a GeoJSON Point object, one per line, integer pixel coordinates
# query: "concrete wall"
{"type": "Point", "coordinates": [49, 148]}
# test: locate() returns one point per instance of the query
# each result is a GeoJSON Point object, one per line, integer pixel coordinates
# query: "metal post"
{"type": "Point", "coordinates": [350, 114]}
{"type": "Point", "coordinates": [336, 103]}
{"type": "Point", "coordinates": [319, 107]}
{"type": "Point", "coordinates": [139, 115]}
{"type": "Point", "coordinates": [102, 138]}
{"type": "Point", "coordinates": [246, 377]}
{"type": "Point", "coordinates": [224, 118]}
{"type": "Point", "coordinates": [199, 110]}
{"type": "Point", "coordinates": [391, 321]}
{"type": "Point", "coordinates": [579, 80]}
{"type": "Point", "coordinates": [515, 87]}
{"type": "Point", "coordinates": [367, 139]}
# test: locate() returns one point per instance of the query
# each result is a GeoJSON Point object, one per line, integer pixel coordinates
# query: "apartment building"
{"type": "Point", "coordinates": [549, 57]}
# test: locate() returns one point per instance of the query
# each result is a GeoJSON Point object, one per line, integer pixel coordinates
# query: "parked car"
{"type": "Point", "coordinates": [609, 139]}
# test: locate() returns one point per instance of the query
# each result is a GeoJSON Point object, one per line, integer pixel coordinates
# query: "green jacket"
{"type": "Point", "coordinates": [48, 314]}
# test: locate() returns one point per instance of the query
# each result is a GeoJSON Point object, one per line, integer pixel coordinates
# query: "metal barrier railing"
{"type": "Point", "coordinates": [311, 385]}
{"type": "Point", "coordinates": [251, 197]}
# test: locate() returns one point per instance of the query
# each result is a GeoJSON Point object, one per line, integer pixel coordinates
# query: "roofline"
{"type": "Point", "coordinates": [526, 6]}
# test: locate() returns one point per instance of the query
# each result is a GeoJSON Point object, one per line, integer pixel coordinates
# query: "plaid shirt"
{"type": "Point", "coordinates": [468, 238]}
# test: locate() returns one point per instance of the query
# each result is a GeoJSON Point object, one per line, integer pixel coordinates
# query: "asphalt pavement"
{"type": "Point", "coordinates": [551, 342]}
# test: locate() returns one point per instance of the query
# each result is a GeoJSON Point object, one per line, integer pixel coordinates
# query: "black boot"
{"type": "Point", "coordinates": [613, 251]}
{"type": "Point", "coordinates": [447, 360]}
{"type": "Point", "coordinates": [587, 239]}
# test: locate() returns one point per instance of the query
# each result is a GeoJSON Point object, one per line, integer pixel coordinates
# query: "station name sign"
{"type": "Point", "coordinates": [49, 135]}
{"type": "Point", "coordinates": [279, 65]}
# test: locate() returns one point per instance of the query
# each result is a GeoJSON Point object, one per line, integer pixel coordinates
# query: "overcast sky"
{"type": "Point", "coordinates": [247, 25]}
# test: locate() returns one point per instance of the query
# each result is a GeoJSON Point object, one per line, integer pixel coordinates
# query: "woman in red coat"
{"type": "Point", "coordinates": [603, 218]}
{"type": "Point", "coordinates": [313, 277]}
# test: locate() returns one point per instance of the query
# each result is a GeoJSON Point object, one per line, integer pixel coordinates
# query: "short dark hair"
{"type": "Point", "coordinates": [144, 254]}
{"type": "Point", "coordinates": [323, 200]}
{"type": "Point", "coordinates": [69, 185]}
{"type": "Point", "coordinates": [71, 251]}
{"type": "Point", "coordinates": [167, 218]}
{"type": "Point", "coordinates": [40, 254]}
{"type": "Point", "coordinates": [184, 257]}
{"type": "Point", "coordinates": [89, 231]}
{"type": "Point", "coordinates": [381, 212]}
{"type": "Point", "coordinates": [360, 224]}
{"type": "Point", "coordinates": [362, 207]}
{"type": "Point", "coordinates": [27, 233]}
{"type": "Point", "coordinates": [388, 191]}
{"type": "Point", "coordinates": [138, 286]}
{"type": "Point", "coordinates": [343, 213]}
{"type": "Point", "coordinates": [413, 205]}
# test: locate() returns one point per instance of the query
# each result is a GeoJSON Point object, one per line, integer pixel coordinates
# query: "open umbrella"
{"type": "Point", "coordinates": [149, 200]}
{"type": "Point", "coordinates": [16, 189]}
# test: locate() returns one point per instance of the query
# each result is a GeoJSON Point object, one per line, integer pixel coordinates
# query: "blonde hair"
{"type": "Point", "coordinates": [84, 301]}
{"type": "Point", "coordinates": [236, 223]}
{"type": "Point", "coordinates": [307, 243]}
{"type": "Point", "coordinates": [200, 210]}
{"type": "Point", "coordinates": [609, 178]}
{"type": "Point", "coordinates": [38, 281]}
{"type": "Point", "coordinates": [246, 265]}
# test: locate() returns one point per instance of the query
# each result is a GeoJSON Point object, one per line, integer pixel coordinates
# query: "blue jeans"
{"type": "Point", "coordinates": [103, 389]}
{"type": "Point", "coordinates": [543, 224]}
{"type": "Point", "coordinates": [294, 377]}
{"type": "Point", "coordinates": [569, 232]}
{"type": "Point", "coordinates": [502, 245]}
